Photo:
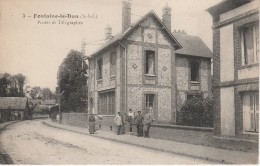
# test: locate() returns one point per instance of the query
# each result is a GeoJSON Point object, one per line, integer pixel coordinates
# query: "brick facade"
{"type": "Point", "coordinates": [240, 85]}
{"type": "Point", "coordinates": [170, 83]}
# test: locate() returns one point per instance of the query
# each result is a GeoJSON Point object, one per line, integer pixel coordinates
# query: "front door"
{"type": "Point", "coordinates": [251, 112]}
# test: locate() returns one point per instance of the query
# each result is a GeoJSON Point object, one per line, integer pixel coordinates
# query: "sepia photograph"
{"type": "Point", "coordinates": [129, 82]}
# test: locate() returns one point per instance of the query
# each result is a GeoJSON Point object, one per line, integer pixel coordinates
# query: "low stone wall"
{"type": "Point", "coordinates": [75, 119]}
{"type": "Point", "coordinates": [187, 134]}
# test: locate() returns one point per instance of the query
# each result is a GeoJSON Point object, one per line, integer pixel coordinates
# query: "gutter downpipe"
{"type": "Point", "coordinates": [125, 76]}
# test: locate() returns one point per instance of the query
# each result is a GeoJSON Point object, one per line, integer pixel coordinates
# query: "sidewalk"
{"type": "Point", "coordinates": [198, 151]}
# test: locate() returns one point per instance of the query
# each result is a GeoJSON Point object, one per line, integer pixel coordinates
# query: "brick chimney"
{"type": "Point", "coordinates": [108, 32]}
{"type": "Point", "coordinates": [166, 16]}
{"type": "Point", "coordinates": [126, 15]}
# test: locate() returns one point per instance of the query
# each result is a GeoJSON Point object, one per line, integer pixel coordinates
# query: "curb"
{"type": "Point", "coordinates": [143, 146]}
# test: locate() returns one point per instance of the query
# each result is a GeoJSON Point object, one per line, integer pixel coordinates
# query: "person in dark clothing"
{"type": "Point", "coordinates": [147, 121]}
{"type": "Point", "coordinates": [139, 124]}
{"type": "Point", "coordinates": [91, 124]}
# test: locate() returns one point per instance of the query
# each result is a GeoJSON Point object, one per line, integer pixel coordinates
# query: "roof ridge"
{"type": "Point", "coordinates": [127, 31]}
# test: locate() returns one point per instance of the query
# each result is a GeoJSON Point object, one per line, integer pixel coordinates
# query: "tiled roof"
{"type": "Point", "coordinates": [188, 45]}
{"type": "Point", "coordinates": [192, 45]}
{"type": "Point", "coordinates": [18, 103]}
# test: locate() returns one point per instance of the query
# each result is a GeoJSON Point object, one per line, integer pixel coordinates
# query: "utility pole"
{"type": "Point", "coordinates": [59, 95]}
{"type": "Point", "coordinates": [83, 51]}
{"type": "Point", "coordinates": [60, 104]}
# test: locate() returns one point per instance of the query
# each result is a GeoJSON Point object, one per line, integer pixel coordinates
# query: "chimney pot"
{"type": "Point", "coordinates": [108, 32]}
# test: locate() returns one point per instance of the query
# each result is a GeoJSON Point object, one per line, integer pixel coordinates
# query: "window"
{"type": "Point", "coordinates": [250, 44]}
{"type": "Point", "coordinates": [99, 69]}
{"type": "Point", "coordinates": [251, 112]}
{"type": "Point", "coordinates": [194, 71]}
{"type": "Point", "coordinates": [149, 62]}
{"type": "Point", "coordinates": [113, 64]}
{"type": "Point", "coordinates": [149, 101]}
{"type": "Point", "coordinates": [106, 103]}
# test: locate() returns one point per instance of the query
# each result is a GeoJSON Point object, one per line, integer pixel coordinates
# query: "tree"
{"type": "Point", "coordinates": [21, 81]}
{"type": "Point", "coordinates": [12, 86]}
{"type": "Point", "coordinates": [5, 81]}
{"type": "Point", "coordinates": [46, 94]}
{"type": "Point", "coordinates": [196, 111]}
{"type": "Point", "coordinates": [72, 82]}
{"type": "Point", "coordinates": [35, 92]}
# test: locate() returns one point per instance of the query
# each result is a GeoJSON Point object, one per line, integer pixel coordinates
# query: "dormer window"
{"type": "Point", "coordinates": [250, 43]}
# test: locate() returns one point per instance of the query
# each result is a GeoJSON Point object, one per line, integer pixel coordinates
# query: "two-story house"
{"type": "Point", "coordinates": [236, 67]}
{"type": "Point", "coordinates": [147, 66]}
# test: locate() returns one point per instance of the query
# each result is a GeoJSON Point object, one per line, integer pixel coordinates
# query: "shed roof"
{"type": "Point", "coordinates": [192, 45]}
{"type": "Point", "coordinates": [18, 103]}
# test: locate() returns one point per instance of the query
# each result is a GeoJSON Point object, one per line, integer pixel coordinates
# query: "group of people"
{"type": "Point", "coordinates": [143, 122]}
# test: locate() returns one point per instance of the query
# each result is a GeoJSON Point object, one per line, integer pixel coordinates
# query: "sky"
{"type": "Point", "coordinates": [35, 46]}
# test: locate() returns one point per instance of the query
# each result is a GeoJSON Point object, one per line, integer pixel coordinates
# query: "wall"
{"type": "Point", "coordinates": [161, 84]}
{"type": "Point", "coordinates": [107, 82]}
{"type": "Point", "coordinates": [227, 111]}
{"type": "Point", "coordinates": [75, 119]}
{"type": "Point", "coordinates": [226, 53]}
{"type": "Point", "coordinates": [182, 72]}
{"type": "Point", "coordinates": [183, 78]}
{"type": "Point", "coordinates": [243, 79]}
{"type": "Point", "coordinates": [180, 134]}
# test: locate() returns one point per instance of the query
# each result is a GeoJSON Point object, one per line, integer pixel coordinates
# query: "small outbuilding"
{"type": "Point", "coordinates": [14, 108]}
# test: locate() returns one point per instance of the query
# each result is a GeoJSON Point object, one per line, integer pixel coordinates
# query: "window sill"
{"type": "Point", "coordinates": [195, 82]}
{"type": "Point", "coordinates": [250, 133]}
{"type": "Point", "coordinates": [248, 66]}
{"type": "Point", "coordinates": [100, 80]}
{"type": "Point", "coordinates": [150, 75]}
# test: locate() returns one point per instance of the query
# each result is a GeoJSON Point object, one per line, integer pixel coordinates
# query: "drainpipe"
{"type": "Point", "coordinates": [125, 76]}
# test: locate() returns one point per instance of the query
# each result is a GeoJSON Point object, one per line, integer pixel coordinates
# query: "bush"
{"type": "Point", "coordinates": [196, 111]}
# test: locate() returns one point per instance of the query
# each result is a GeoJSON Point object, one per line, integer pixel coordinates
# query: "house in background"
{"type": "Point", "coordinates": [146, 66]}
{"type": "Point", "coordinates": [42, 107]}
{"type": "Point", "coordinates": [14, 108]}
{"type": "Point", "coordinates": [236, 68]}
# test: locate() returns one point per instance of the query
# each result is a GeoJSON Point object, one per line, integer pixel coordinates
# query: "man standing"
{"type": "Point", "coordinates": [139, 124]}
{"type": "Point", "coordinates": [119, 122]}
{"type": "Point", "coordinates": [130, 115]}
{"type": "Point", "coordinates": [147, 123]}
